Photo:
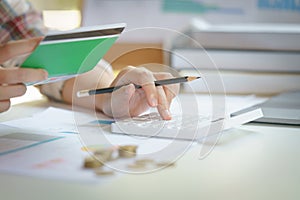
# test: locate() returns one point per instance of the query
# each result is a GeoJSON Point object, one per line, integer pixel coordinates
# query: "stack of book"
{"type": "Point", "coordinates": [250, 58]}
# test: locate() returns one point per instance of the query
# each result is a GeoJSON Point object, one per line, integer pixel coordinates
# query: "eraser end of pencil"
{"type": "Point", "coordinates": [83, 93]}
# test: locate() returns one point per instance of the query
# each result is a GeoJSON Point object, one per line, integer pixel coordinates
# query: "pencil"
{"type": "Point", "coordinates": [84, 93]}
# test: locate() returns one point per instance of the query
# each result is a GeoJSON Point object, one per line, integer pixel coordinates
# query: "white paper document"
{"type": "Point", "coordinates": [60, 155]}
{"type": "Point", "coordinates": [43, 154]}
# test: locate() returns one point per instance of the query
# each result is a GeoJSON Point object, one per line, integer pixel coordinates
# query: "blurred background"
{"type": "Point", "coordinates": [151, 25]}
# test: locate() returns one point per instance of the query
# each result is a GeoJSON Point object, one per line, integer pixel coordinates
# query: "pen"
{"type": "Point", "coordinates": [84, 93]}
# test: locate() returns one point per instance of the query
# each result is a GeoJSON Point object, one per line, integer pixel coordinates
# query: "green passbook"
{"type": "Point", "coordinates": [69, 53]}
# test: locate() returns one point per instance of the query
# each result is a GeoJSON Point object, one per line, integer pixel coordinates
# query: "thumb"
{"type": "Point", "coordinates": [120, 101]}
{"type": "Point", "coordinates": [18, 48]}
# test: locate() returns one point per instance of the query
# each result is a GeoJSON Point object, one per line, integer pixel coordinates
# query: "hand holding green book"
{"type": "Point", "coordinates": [69, 53]}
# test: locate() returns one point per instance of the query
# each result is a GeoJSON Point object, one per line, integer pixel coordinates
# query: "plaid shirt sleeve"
{"type": "Point", "coordinates": [18, 20]}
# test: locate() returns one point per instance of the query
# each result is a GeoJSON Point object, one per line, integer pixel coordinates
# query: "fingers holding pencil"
{"type": "Point", "coordinates": [149, 90]}
{"type": "Point", "coordinates": [166, 93]}
{"type": "Point", "coordinates": [144, 96]}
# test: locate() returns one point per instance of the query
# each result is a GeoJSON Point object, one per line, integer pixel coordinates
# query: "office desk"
{"type": "Point", "coordinates": [252, 162]}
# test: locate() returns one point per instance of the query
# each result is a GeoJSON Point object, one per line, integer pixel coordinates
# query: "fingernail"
{"type": "Point", "coordinates": [154, 101]}
{"type": "Point", "coordinates": [166, 114]}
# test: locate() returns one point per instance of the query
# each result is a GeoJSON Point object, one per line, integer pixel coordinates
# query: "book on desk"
{"type": "Point", "coordinates": [251, 58]}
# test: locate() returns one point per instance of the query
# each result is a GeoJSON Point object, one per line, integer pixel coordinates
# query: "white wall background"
{"type": "Point", "coordinates": [151, 13]}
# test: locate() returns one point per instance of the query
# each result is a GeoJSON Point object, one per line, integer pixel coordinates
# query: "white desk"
{"type": "Point", "coordinates": [253, 162]}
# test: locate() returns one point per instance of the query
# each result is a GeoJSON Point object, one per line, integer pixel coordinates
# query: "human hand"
{"type": "Point", "coordinates": [12, 79]}
{"type": "Point", "coordinates": [128, 101]}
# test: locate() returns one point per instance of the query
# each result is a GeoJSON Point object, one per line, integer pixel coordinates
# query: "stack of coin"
{"type": "Point", "coordinates": [144, 161]}
{"type": "Point", "coordinates": [127, 151]}
{"type": "Point", "coordinates": [147, 163]}
{"type": "Point", "coordinates": [92, 162]}
{"type": "Point", "coordinates": [163, 164]}
{"type": "Point", "coordinates": [100, 156]}
{"type": "Point", "coordinates": [102, 172]}
{"type": "Point", "coordinates": [140, 164]}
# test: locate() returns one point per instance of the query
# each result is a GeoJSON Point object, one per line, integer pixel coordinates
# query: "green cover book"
{"type": "Point", "coordinates": [67, 54]}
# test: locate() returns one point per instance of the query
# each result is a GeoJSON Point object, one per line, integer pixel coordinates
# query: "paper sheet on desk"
{"type": "Point", "coordinates": [233, 103]}
{"type": "Point", "coordinates": [62, 159]}
{"type": "Point", "coordinates": [50, 120]}
{"type": "Point", "coordinates": [59, 156]}
{"type": "Point", "coordinates": [59, 159]}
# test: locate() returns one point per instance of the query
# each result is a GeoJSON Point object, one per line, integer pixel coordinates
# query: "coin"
{"type": "Point", "coordinates": [165, 164]}
{"type": "Point", "coordinates": [92, 162]}
{"type": "Point", "coordinates": [144, 161]}
{"type": "Point", "coordinates": [127, 151]}
{"type": "Point", "coordinates": [136, 166]}
{"type": "Point", "coordinates": [101, 172]}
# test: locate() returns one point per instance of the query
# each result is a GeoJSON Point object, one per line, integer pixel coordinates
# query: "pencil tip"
{"type": "Point", "coordinates": [191, 78]}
